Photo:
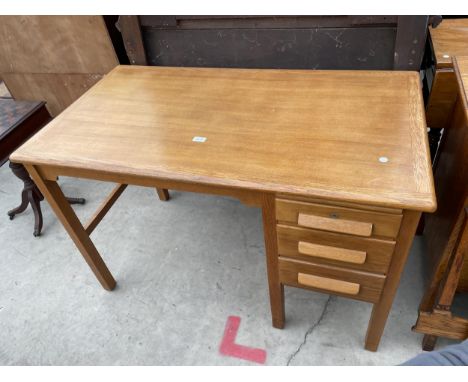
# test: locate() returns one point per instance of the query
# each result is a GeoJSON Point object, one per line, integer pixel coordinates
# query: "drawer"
{"type": "Point", "coordinates": [353, 252]}
{"type": "Point", "coordinates": [338, 219]}
{"type": "Point", "coordinates": [332, 280]}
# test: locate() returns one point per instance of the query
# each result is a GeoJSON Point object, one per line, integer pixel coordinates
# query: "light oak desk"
{"type": "Point", "coordinates": [338, 161]}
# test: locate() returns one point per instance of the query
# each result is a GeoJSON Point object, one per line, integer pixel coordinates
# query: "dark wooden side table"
{"type": "Point", "coordinates": [19, 120]}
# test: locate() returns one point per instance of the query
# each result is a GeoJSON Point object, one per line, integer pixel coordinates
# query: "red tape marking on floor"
{"type": "Point", "coordinates": [230, 348]}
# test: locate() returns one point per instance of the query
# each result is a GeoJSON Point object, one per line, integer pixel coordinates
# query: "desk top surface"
{"type": "Point", "coordinates": [313, 133]}
{"type": "Point", "coordinates": [449, 39]}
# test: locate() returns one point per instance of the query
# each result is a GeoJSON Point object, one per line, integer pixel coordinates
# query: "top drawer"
{"type": "Point", "coordinates": [338, 219]}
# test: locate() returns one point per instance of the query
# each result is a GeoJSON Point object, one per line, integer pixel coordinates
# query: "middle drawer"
{"type": "Point", "coordinates": [366, 254]}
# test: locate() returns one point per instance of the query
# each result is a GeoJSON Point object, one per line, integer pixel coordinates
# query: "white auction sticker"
{"type": "Point", "coordinates": [199, 139]}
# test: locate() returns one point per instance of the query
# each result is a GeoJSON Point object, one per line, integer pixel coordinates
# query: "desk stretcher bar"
{"type": "Point", "coordinates": [104, 208]}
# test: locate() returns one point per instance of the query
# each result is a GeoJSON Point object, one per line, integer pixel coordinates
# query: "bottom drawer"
{"type": "Point", "coordinates": [332, 280]}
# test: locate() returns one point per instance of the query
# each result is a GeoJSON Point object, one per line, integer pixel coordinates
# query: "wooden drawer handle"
{"type": "Point", "coordinates": [332, 253]}
{"type": "Point", "coordinates": [331, 285]}
{"type": "Point", "coordinates": [336, 225]}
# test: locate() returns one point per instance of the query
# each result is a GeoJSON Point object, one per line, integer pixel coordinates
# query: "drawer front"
{"type": "Point", "coordinates": [366, 254]}
{"type": "Point", "coordinates": [338, 219]}
{"type": "Point", "coordinates": [332, 280]}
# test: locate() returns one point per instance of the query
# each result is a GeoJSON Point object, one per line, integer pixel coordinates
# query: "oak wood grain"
{"type": "Point", "coordinates": [449, 40]}
{"type": "Point", "coordinates": [339, 219]}
{"type": "Point", "coordinates": [275, 286]}
{"type": "Point", "coordinates": [446, 231]}
{"type": "Point", "coordinates": [332, 253]}
{"type": "Point", "coordinates": [442, 324]}
{"type": "Point", "coordinates": [340, 203]}
{"type": "Point", "coordinates": [378, 252]}
{"type": "Point", "coordinates": [354, 138]}
{"type": "Point", "coordinates": [335, 225]}
{"type": "Point", "coordinates": [370, 285]}
{"type": "Point", "coordinates": [461, 71]}
{"type": "Point", "coordinates": [332, 285]}
{"type": "Point", "coordinates": [249, 197]}
{"type": "Point", "coordinates": [381, 310]}
{"type": "Point", "coordinates": [104, 208]}
{"type": "Point", "coordinates": [455, 267]}
{"type": "Point", "coordinates": [163, 194]}
{"type": "Point", "coordinates": [442, 99]}
{"type": "Point", "coordinates": [313, 133]}
{"type": "Point", "coordinates": [444, 226]}
{"type": "Point", "coordinates": [69, 220]}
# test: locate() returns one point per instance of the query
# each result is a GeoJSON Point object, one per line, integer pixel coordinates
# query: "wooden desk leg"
{"type": "Point", "coordinates": [429, 342]}
{"type": "Point", "coordinates": [382, 308]}
{"type": "Point", "coordinates": [163, 194]}
{"type": "Point", "coordinates": [271, 248]}
{"type": "Point", "coordinates": [63, 210]}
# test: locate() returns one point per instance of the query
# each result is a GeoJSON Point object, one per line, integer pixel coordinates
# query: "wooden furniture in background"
{"type": "Point", "coordinates": [19, 120]}
{"type": "Point", "coordinates": [295, 143]}
{"type": "Point", "coordinates": [54, 58]}
{"type": "Point", "coordinates": [448, 40]}
{"type": "Point", "coordinates": [284, 42]}
{"type": "Point", "coordinates": [4, 93]}
{"type": "Point", "coordinates": [446, 229]}
{"type": "Point", "coordinates": [437, 319]}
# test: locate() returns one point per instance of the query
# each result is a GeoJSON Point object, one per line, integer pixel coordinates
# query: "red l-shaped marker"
{"type": "Point", "coordinates": [230, 348]}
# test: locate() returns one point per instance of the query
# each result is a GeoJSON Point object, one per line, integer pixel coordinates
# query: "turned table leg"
{"type": "Point", "coordinates": [32, 195]}
{"type": "Point", "coordinates": [29, 195]}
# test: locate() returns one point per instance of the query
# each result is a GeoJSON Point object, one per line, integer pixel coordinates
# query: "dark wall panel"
{"type": "Point", "coordinates": [328, 48]}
